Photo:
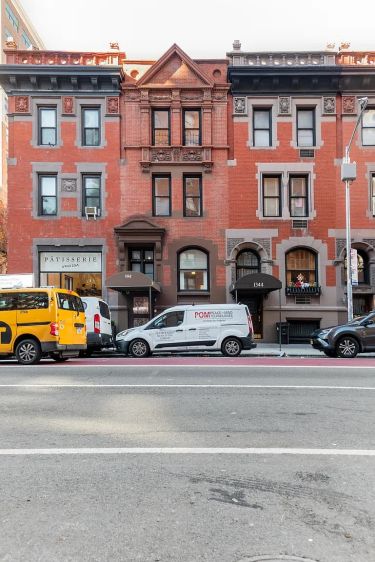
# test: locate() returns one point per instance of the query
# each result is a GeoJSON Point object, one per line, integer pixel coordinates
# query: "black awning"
{"type": "Point", "coordinates": [255, 284]}
{"type": "Point", "coordinates": [131, 281]}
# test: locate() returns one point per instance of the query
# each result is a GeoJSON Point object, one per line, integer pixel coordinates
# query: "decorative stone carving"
{"type": "Point", "coordinates": [265, 243]}
{"type": "Point", "coordinates": [239, 106]}
{"type": "Point", "coordinates": [192, 156]}
{"type": "Point", "coordinates": [232, 243]}
{"type": "Point", "coordinates": [340, 245]}
{"type": "Point", "coordinates": [329, 105]}
{"type": "Point", "coordinates": [348, 104]}
{"type": "Point", "coordinates": [132, 95]}
{"type": "Point", "coordinates": [220, 96]}
{"type": "Point", "coordinates": [160, 96]}
{"type": "Point", "coordinates": [22, 104]}
{"type": "Point", "coordinates": [161, 156]}
{"type": "Point", "coordinates": [284, 105]}
{"type": "Point", "coordinates": [69, 185]}
{"type": "Point", "coordinates": [68, 105]}
{"type": "Point", "coordinates": [193, 96]}
{"type": "Point", "coordinates": [370, 242]}
{"type": "Point", "coordinates": [113, 105]}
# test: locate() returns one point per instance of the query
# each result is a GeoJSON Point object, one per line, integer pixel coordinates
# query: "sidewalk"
{"type": "Point", "coordinates": [290, 350]}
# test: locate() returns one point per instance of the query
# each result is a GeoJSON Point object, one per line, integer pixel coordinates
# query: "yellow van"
{"type": "Point", "coordinates": [41, 322]}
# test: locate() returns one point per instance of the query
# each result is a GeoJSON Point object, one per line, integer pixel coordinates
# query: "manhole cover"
{"type": "Point", "coordinates": [280, 558]}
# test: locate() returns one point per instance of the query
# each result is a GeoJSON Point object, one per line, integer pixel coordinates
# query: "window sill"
{"type": "Point", "coordinates": [194, 293]}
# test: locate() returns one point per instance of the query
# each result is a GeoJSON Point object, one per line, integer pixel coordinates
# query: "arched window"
{"type": "Point", "coordinates": [301, 268]}
{"type": "Point", "coordinates": [362, 267]}
{"type": "Point", "coordinates": [247, 262]}
{"type": "Point", "coordinates": [192, 270]}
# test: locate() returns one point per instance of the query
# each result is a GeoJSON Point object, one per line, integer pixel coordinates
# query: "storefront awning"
{"type": "Point", "coordinates": [255, 284]}
{"type": "Point", "coordinates": [131, 281]}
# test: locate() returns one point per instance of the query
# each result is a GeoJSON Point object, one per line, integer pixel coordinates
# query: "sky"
{"type": "Point", "coordinates": [145, 29]}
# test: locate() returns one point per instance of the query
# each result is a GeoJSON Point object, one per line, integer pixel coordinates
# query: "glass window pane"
{"type": "Point", "coordinates": [135, 267]}
{"type": "Point", "coordinates": [192, 207]}
{"type": "Point", "coordinates": [368, 118]}
{"type": "Point", "coordinates": [192, 119]}
{"type": "Point", "coordinates": [261, 119]}
{"type": "Point", "coordinates": [192, 186]}
{"type": "Point", "coordinates": [162, 187]}
{"type": "Point", "coordinates": [91, 118]}
{"type": "Point", "coordinates": [192, 137]}
{"type": "Point", "coordinates": [162, 206]}
{"type": "Point", "coordinates": [368, 136]}
{"type": "Point", "coordinates": [149, 269]}
{"type": "Point", "coordinates": [92, 182]}
{"type": "Point", "coordinates": [91, 137]}
{"type": "Point", "coordinates": [92, 193]}
{"type": "Point", "coordinates": [298, 186]}
{"type": "Point", "coordinates": [48, 205]}
{"type": "Point", "coordinates": [48, 136]}
{"type": "Point", "coordinates": [149, 255]}
{"type": "Point", "coordinates": [48, 185]}
{"type": "Point", "coordinates": [136, 255]}
{"type": "Point", "coordinates": [271, 208]}
{"type": "Point", "coordinates": [193, 259]}
{"type": "Point", "coordinates": [305, 138]}
{"type": "Point", "coordinates": [48, 118]}
{"type": "Point", "coordinates": [92, 202]}
{"type": "Point", "coordinates": [248, 258]}
{"type": "Point", "coordinates": [306, 119]}
{"type": "Point", "coordinates": [261, 138]}
{"type": "Point", "coordinates": [161, 119]}
{"type": "Point", "coordinates": [271, 186]}
{"type": "Point", "coordinates": [298, 207]}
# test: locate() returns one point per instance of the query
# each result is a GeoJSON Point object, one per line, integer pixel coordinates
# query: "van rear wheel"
{"type": "Point", "coordinates": [231, 347]}
{"type": "Point", "coordinates": [28, 352]}
{"type": "Point", "coordinates": [139, 348]}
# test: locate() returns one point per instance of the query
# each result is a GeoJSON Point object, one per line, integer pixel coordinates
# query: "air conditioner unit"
{"type": "Point", "coordinates": [92, 212]}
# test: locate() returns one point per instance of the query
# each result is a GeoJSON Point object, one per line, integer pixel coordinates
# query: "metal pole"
{"type": "Point", "coordinates": [280, 319]}
{"type": "Point", "coordinates": [349, 288]}
{"type": "Point", "coordinates": [150, 302]}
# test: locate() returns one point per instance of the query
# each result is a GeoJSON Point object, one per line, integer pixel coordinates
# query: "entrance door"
{"type": "Point", "coordinates": [139, 312]}
{"type": "Point", "coordinates": [255, 306]}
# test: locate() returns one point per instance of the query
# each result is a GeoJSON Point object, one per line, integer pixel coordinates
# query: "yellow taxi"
{"type": "Point", "coordinates": [41, 322]}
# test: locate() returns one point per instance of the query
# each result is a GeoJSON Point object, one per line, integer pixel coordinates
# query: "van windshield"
{"type": "Point", "coordinates": [69, 302]}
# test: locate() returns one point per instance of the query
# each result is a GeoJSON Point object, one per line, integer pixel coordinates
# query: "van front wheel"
{"type": "Point", "coordinates": [28, 352]}
{"type": "Point", "coordinates": [139, 349]}
{"type": "Point", "coordinates": [231, 347]}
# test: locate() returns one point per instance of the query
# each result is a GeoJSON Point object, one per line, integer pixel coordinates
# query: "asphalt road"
{"type": "Point", "coordinates": [223, 462]}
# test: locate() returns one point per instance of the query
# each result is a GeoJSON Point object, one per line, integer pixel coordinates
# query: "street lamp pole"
{"type": "Point", "coordinates": [349, 174]}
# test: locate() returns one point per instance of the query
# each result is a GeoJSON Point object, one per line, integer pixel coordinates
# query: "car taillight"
{"type": "Point", "coordinates": [54, 329]}
{"type": "Point", "coordinates": [97, 324]}
{"type": "Point", "coordinates": [250, 322]}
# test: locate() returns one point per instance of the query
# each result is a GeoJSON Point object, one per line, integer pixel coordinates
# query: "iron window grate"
{"type": "Point", "coordinates": [299, 223]}
{"type": "Point", "coordinates": [307, 153]}
{"type": "Point", "coordinates": [303, 299]}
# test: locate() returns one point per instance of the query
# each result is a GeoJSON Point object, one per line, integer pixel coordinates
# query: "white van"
{"type": "Point", "coordinates": [98, 322]}
{"type": "Point", "coordinates": [213, 327]}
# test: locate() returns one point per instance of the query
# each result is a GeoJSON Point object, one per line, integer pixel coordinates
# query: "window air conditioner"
{"type": "Point", "coordinates": [92, 212]}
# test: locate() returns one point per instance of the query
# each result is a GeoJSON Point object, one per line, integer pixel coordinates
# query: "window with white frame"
{"type": "Point", "coordinates": [306, 134]}
{"type": "Point", "coordinates": [47, 131]}
{"type": "Point", "coordinates": [47, 200]}
{"type": "Point", "coordinates": [262, 127]}
{"type": "Point", "coordinates": [91, 192]}
{"type": "Point", "coordinates": [298, 196]}
{"type": "Point", "coordinates": [368, 127]}
{"type": "Point", "coordinates": [193, 270]}
{"type": "Point", "coordinates": [271, 195]}
{"type": "Point", "coordinates": [372, 194]}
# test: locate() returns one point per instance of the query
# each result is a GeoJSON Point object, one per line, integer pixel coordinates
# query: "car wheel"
{"type": "Point", "coordinates": [58, 358]}
{"type": "Point", "coordinates": [231, 347]}
{"type": "Point", "coordinates": [28, 352]}
{"type": "Point", "coordinates": [329, 353]}
{"type": "Point", "coordinates": [139, 348]}
{"type": "Point", "coordinates": [347, 347]}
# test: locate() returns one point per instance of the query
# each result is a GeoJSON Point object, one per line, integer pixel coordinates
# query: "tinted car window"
{"type": "Point", "coordinates": [32, 301]}
{"type": "Point", "coordinates": [104, 310]}
{"type": "Point", "coordinates": [7, 301]}
{"type": "Point", "coordinates": [69, 302]}
{"type": "Point", "coordinates": [169, 320]}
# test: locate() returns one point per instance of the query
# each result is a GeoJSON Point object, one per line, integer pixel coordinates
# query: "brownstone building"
{"type": "Point", "coordinates": [118, 176]}
{"type": "Point", "coordinates": [293, 115]}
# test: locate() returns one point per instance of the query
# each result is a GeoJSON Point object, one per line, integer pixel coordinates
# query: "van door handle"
{"type": "Point", "coordinates": [192, 329]}
{"type": "Point", "coordinates": [179, 330]}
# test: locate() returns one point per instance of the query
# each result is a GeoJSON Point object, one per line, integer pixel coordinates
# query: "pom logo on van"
{"type": "Point", "coordinates": [214, 315]}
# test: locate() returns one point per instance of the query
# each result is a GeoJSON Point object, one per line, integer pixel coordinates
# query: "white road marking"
{"type": "Point", "coordinates": [234, 386]}
{"type": "Point", "coordinates": [194, 366]}
{"type": "Point", "coordinates": [188, 451]}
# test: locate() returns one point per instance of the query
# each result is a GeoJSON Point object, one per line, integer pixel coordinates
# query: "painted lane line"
{"type": "Point", "coordinates": [192, 366]}
{"type": "Point", "coordinates": [188, 451]}
{"type": "Point", "coordinates": [234, 386]}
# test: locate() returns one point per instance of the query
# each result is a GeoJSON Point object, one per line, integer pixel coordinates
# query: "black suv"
{"type": "Point", "coordinates": [348, 339]}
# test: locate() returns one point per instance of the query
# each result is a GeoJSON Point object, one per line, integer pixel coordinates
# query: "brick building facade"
{"type": "Point", "coordinates": [118, 176]}
{"type": "Point", "coordinates": [293, 114]}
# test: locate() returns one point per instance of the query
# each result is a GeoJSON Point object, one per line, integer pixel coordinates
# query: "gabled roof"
{"type": "Point", "coordinates": [175, 69]}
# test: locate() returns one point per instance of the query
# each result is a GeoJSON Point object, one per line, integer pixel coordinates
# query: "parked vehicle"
{"type": "Point", "coordinates": [347, 340]}
{"type": "Point", "coordinates": [40, 322]}
{"type": "Point", "coordinates": [98, 324]}
{"type": "Point", "coordinates": [224, 327]}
